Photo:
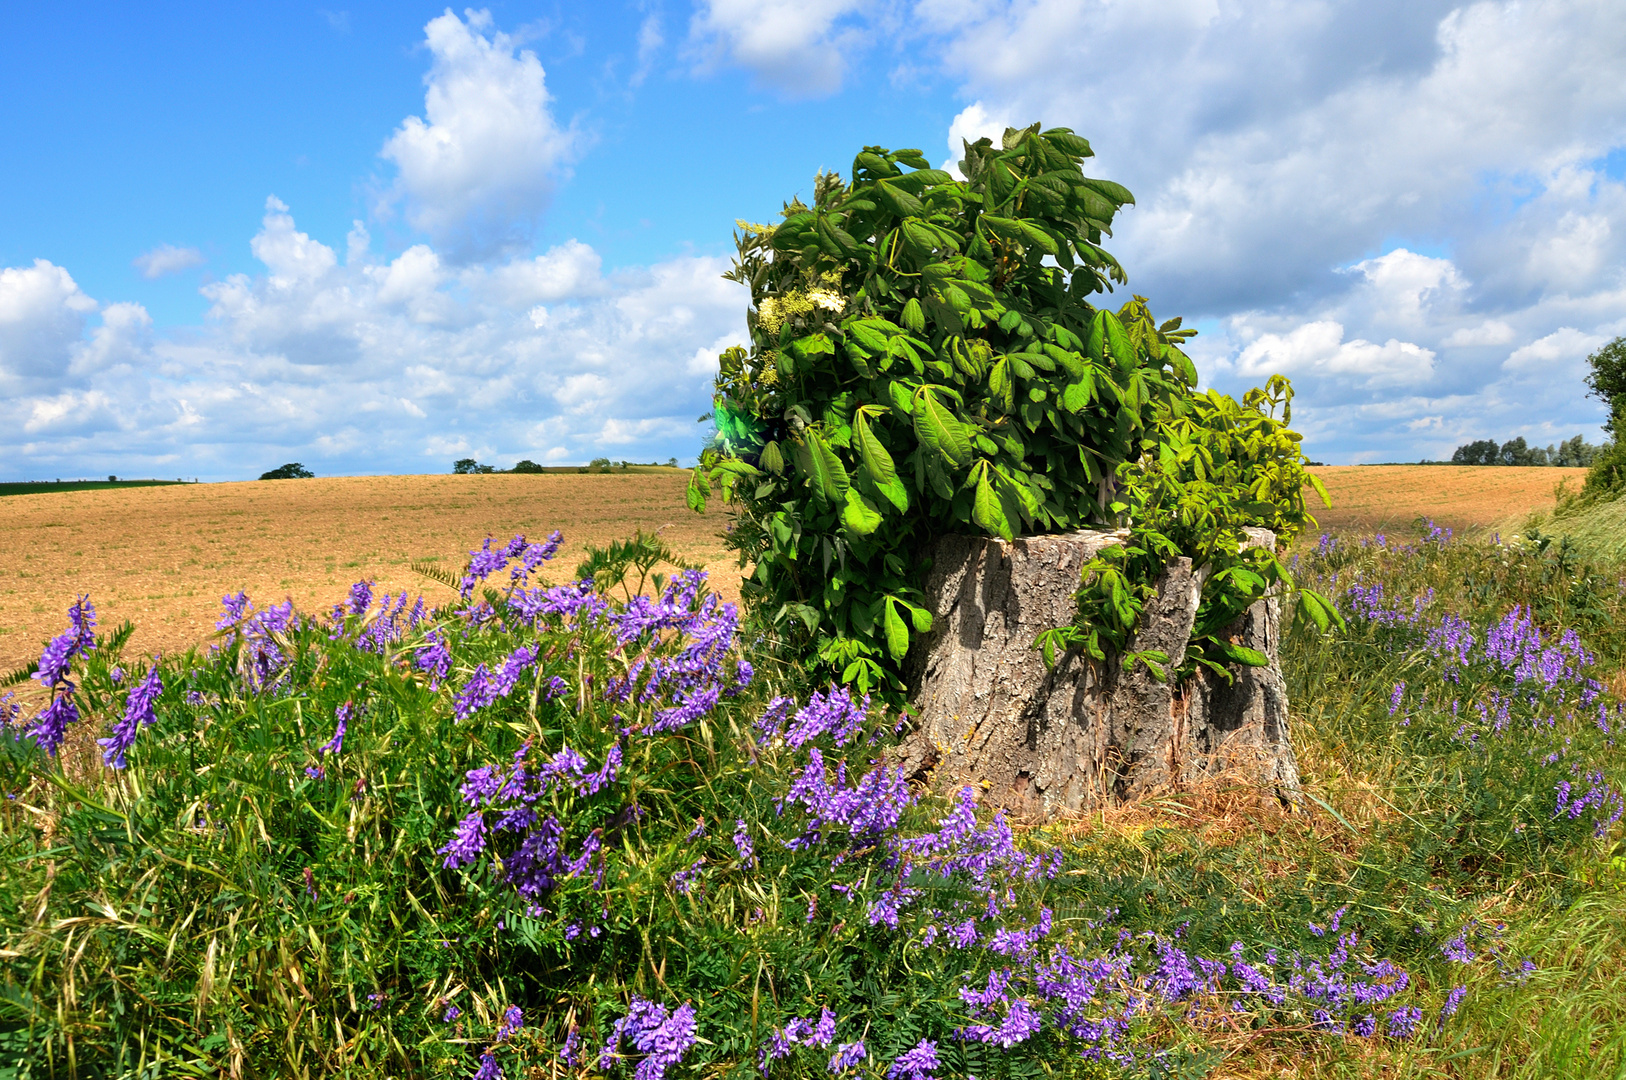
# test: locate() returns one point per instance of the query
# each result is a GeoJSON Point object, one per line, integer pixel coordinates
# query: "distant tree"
{"type": "Point", "coordinates": [1482, 452]}
{"type": "Point", "coordinates": [1518, 452]}
{"type": "Point", "coordinates": [526, 465]}
{"type": "Point", "coordinates": [1576, 453]}
{"type": "Point", "coordinates": [671, 462]}
{"type": "Point", "coordinates": [111, 479]}
{"type": "Point", "coordinates": [1607, 382]}
{"type": "Point", "coordinates": [465, 465]}
{"type": "Point", "coordinates": [291, 471]}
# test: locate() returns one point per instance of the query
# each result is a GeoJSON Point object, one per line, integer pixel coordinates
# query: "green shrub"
{"type": "Point", "coordinates": [925, 359]}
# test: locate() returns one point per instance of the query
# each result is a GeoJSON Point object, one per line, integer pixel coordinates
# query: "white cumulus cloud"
{"type": "Point", "coordinates": [476, 170]}
{"type": "Point", "coordinates": [799, 47]}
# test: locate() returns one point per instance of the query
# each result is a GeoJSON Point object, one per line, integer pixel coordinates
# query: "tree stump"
{"type": "Point", "coordinates": [1043, 740]}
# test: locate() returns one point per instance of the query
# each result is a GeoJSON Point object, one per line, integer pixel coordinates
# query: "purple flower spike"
{"type": "Point", "coordinates": [138, 713]}
{"type": "Point", "coordinates": [489, 1069]}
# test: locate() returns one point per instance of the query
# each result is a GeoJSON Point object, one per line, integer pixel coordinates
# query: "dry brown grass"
{"type": "Point", "coordinates": [1391, 497]}
{"type": "Point", "coordinates": [162, 557]}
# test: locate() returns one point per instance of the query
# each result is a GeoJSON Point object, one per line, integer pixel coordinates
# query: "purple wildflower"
{"type": "Point", "coordinates": [513, 1019]}
{"type": "Point", "coordinates": [660, 1035]}
{"type": "Point", "coordinates": [1457, 949]}
{"type": "Point", "coordinates": [138, 713]}
{"type": "Point", "coordinates": [434, 657]}
{"type": "Point", "coordinates": [915, 1064]}
{"type": "Point", "coordinates": [570, 1053]}
{"type": "Point", "coordinates": [848, 1055]}
{"type": "Point", "coordinates": [742, 843]}
{"type": "Point", "coordinates": [1453, 1001]}
{"type": "Point", "coordinates": [452, 1013]}
{"type": "Point", "coordinates": [336, 744]}
{"type": "Point", "coordinates": [468, 842]}
{"type": "Point", "coordinates": [1403, 1022]}
{"type": "Point", "coordinates": [489, 1069]}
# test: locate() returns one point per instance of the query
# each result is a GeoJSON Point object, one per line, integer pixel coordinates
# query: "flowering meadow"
{"type": "Point", "coordinates": [544, 824]}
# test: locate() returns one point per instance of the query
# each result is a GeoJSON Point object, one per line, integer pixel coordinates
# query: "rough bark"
{"type": "Point", "coordinates": [1044, 740]}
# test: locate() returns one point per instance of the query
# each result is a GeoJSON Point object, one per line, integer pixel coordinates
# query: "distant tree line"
{"type": "Point", "coordinates": [1571, 453]}
{"type": "Point", "coordinates": [469, 466]}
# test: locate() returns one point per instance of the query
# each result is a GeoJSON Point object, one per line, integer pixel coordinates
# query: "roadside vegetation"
{"type": "Point", "coordinates": [599, 822]}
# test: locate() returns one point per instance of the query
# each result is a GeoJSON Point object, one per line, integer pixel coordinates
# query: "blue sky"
{"type": "Point", "coordinates": [377, 238]}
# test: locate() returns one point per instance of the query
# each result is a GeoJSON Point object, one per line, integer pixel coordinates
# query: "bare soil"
{"type": "Point", "coordinates": [162, 557]}
{"type": "Point", "coordinates": [1367, 498]}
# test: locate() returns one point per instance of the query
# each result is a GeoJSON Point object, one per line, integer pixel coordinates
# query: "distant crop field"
{"type": "Point", "coordinates": [54, 487]}
{"type": "Point", "coordinates": [1377, 497]}
{"type": "Point", "coordinates": [163, 557]}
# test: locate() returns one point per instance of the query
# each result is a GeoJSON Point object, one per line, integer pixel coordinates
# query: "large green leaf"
{"type": "Point", "coordinates": [986, 511]}
{"type": "Point", "coordinates": [899, 201]}
{"type": "Point", "coordinates": [859, 514]}
{"type": "Point", "coordinates": [897, 634]}
{"type": "Point", "coordinates": [937, 427]}
{"type": "Point", "coordinates": [821, 466]}
{"type": "Point", "coordinates": [877, 462]}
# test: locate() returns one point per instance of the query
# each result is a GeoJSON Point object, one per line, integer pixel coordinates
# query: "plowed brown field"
{"type": "Point", "coordinates": [1392, 497]}
{"type": "Point", "coordinates": [163, 557]}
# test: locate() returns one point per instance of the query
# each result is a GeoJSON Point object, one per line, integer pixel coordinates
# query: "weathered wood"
{"type": "Point", "coordinates": [1044, 740]}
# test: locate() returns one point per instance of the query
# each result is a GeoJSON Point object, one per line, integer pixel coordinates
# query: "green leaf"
{"type": "Point", "coordinates": [813, 345]}
{"type": "Point", "coordinates": [986, 511]}
{"type": "Point", "coordinates": [913, 317]}
{"type": "Point", "coordinates": [866, 334]}
{"type": "Point", "coordinates": [1076, 396]}
{"type": "Point", "coordinates": [698, 490]}
{"type": "Point", "coordinates": [1072, 145]}
{"type": "Point", "coordinates": [1036, 236]}
{"type": "Point", "coordinates": [1116, 192]}
{"type": "Point", "coordinates": [895, 493]}
{"type": "Point", "coordinates": [1002, 385]}
{"type": "Point", "coordinates": [820, 464]}
{"type": "Point", "coordinates": [877, 462]}
{"type": "Point", "coordinates": [1320, 488]}
{"type": "Point", "coordinates": [771, 459]}
{"type": "Point", "coordinates": [859, 514]}
{"type": "Point", "coordinates": [899, 201]}
{"type": "Point", "coordinates": [1241, 654]}
{"type": "Point", "coordinates": [1118, 346]}
{"type": "Point", "coordinates": [936, 426]}
{"type": "Point", "coordinates": [897, 634]}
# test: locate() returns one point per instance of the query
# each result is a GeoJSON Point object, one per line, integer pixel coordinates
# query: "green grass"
{"type": "Point", "coordinates": [37, 487]}
{"type": "Point", "coordinates": [1598, 530]}
{"type": "Point", "coordinates": [160, 920]}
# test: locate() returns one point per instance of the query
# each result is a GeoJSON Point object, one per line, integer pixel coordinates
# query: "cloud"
{"type": "Point", "coordinates": [1319, 347]}
{"type": "Point", "coordinates": [798, 47]}
{"type": "Point", "coordinates": [650, 39]}
{"type": "Point", "coordinates": [371, 365]}
{"type": "Point", "coordinates": [42, 316]}
{"type": "Point", "coordinates": [168, 259]}
{"type": "Point", "coordinates": [1389, 200]}
{"type": "Point", "coordinates": [476, 174]}
{"type": "Point", "coordinates": [1492, 332]}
